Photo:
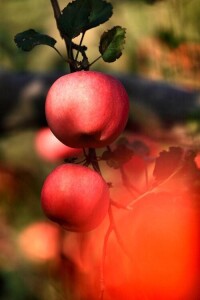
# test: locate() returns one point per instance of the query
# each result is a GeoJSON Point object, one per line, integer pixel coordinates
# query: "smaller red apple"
{"type": "Point", "coordinates": [75, 197]}
{"type": "Point", "coordinates": [51, 149]}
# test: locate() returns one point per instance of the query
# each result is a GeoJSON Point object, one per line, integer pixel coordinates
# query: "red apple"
{"type": "Point", "coordinates": [39, 241]}
{"type": "Point", "coordinates": [87, 109]}
{"type": "Point", "coordinates": [51, 149]}
{"type": "Point", "coordinates": [76, 197]}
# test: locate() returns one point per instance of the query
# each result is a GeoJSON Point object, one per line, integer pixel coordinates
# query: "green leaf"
{"type": "Point", "coordinates": [100, 12]}
{"type": "Point", "coordinates": [74, 18]}
{"type": "Point", "coordinates": [112, 43]}
{"type": "Point", "coordinates": [121, 155]}
{"type": "Point", "coordinates": [167, 162]}
{"type": "Point", "coordinates": [81, 15]}
{"type": "Point", "coordinates": [30, 38]}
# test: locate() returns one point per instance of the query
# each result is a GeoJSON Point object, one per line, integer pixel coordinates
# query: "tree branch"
{"type": "Point", "coordinates": [68, 42]}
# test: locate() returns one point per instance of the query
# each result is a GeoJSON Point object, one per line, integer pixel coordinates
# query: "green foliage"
{"type": "Point", "coordinates": [81, 15]}
{"type": "Point", "coordinates": [76, 18]}
{"type": "Point", "coordinates": [121, 155]}
{"type": "Point", "coordinates": [169, 37]}
{"type": "Point", "coordinates": [13, 288]}
{"type": "Point", "coordinates": [167, 162]}
{"type": "Point", "coordinates": [124, 152]}
{"type": "Point", "coordinates": [28, 39]}
{"type": "Point", "coordinates": [101, 11]}
{"type": "Point", "coordinates": [112, 43]}
{"type": "Point", "coordinates": [145, 1]}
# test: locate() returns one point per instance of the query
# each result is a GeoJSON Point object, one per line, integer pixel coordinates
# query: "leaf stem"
{"type": "Point", "coordinates": [65, 59]}
{"type": "Point", "coordinates": [94, 61]}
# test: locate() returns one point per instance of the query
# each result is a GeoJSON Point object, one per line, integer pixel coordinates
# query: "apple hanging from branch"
{"type": "Point", "coordinates": [76, 197]}
{"type": "Point", "coordinates": [87, 109]}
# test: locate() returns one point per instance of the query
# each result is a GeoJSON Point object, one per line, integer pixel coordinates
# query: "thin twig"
{"type": "Point", "coordinates": [94, 61]}
{"type": "Point", "coordinates": [104, 252]}
{"type": "Point", "coordinates": [155, 189]}
{"type": "Point", "coordinates": [111, 228]}
{"type": "Point", "coordinates": [57, 14]}
{"type": "Point", "coordinates": [56, 9]}
{"type": "Point", "coordinates": [119, 205]}
{"type": "Point", "coordinates": [126, 182]}
{"type": "Point", "coordinates": [118, 237]}
{"type": "Point", "coordinates": [146, 176]}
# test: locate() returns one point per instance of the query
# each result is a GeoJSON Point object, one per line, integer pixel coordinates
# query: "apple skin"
{"type": "Point", "coordinates": [49, 148]}
{"type": "Point", "coordinates": [75, 197]}
{"type": "Point", "coordinates": [87, 109]}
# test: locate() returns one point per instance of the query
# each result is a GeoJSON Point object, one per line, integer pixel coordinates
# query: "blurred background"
{"type": "Point", "coordinates": [162, 44]}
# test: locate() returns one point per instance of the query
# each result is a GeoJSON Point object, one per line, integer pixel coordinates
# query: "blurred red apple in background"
{"type": "Point", "coordinates": [51, 149]}
{"type": "Point", "coordinates": [40, 241]}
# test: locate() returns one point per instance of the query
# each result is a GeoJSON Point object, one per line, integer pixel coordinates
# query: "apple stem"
{"type": "Point", "coordinates": [109, 148]}
{"type": "Point", "coordinates": [85, 153]}
{"type": "Point", "coordinates": [94, 160]}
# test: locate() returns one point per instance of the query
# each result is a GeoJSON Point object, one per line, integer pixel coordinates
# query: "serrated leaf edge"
{"type": "Point", "coordinates": [122, 48]}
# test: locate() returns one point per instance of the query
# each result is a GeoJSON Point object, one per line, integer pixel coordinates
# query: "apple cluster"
{"type": "Point", "coordinates": [84, 109]}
